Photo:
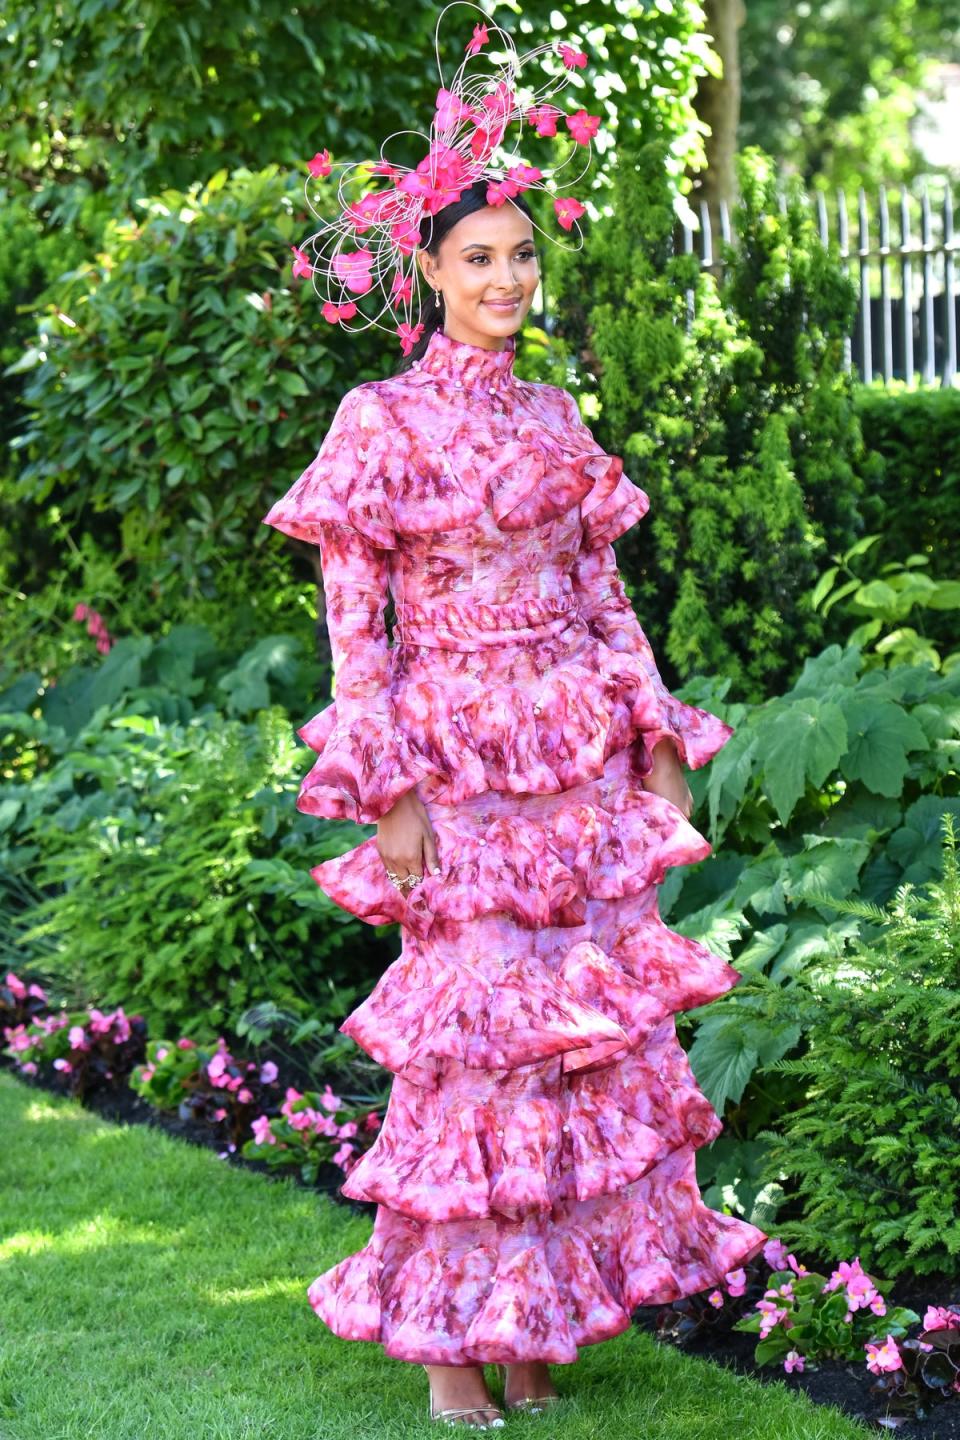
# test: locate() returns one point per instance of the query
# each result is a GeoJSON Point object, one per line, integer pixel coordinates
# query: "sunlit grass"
{"type": "Point", "coordinates": [150, 1292]}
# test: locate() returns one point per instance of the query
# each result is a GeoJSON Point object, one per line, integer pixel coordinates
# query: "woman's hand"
{"type": "Point", "coordinates": [667, 778]}
{"type": "Point", "coordinates": [405, 840]}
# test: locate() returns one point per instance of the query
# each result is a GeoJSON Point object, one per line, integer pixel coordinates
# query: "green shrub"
{"type": "Point", "coordinates": [743, 431]}
{"type": "Point", "coordinates": [150, 850]}
{"type": "Point", "coordinates": [872, 1152]}
{"type": "Point", "coordinates": [838, 785]}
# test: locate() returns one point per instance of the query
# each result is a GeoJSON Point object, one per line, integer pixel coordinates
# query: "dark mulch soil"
{"type": "Point", "coordinates": [695, 1327]}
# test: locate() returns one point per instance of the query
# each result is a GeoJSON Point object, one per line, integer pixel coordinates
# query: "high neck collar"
{"type": "Point", "coordinates": [469, 366]}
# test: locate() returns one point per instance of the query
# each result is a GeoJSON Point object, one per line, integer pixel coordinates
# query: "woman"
{"type": "Point", "coordinates": [523, 763]}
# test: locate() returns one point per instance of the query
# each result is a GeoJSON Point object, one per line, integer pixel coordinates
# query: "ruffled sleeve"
{"type": "Point", "coordinates": [603, 602]}
{"type": "Point", "coordinates": [364, 762]}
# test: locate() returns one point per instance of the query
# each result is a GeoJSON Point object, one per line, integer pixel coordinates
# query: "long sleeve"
{"type": "Point", "coordinates": [696, 734]}
{"type": "Point", "coordinates": [364, 762]}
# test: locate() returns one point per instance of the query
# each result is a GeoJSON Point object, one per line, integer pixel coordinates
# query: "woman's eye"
{"type": "Point", "coordinates": [522, 255]}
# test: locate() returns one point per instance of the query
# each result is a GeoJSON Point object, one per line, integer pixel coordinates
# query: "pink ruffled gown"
{"type": "Point", "coordinates": [535, 1170]}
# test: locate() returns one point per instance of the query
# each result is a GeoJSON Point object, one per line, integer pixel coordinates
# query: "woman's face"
{"type": "Point", "coordinates": [488, 257]}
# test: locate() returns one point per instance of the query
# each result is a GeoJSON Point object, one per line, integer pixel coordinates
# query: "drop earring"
{"type": "Point", "coordinates": [436, 298]}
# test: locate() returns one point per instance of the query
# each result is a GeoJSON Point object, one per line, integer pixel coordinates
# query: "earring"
{"type": "Point", "coordinates": [436, 298]}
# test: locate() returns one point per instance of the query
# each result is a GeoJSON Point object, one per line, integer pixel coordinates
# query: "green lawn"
{"type": "Point", "coordinates": [150, 1292]}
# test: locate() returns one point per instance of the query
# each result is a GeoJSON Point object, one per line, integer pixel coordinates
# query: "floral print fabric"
{"type": "Point", "coordinates": [535, 1171]}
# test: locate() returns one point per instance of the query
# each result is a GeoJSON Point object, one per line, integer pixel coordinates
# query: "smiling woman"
{"type": "Point", "coordinates": [522, 759]}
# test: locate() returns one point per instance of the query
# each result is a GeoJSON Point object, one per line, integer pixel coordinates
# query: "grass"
{"type": "Point", "coordinates": [150, 1292]}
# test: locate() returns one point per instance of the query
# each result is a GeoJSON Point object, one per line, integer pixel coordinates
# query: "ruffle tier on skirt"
{"type": "Point", "coordinates": [535, 1170]}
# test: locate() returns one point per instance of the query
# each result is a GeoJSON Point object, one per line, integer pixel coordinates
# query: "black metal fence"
{"type": "Point", "coordinates": [909, 305]}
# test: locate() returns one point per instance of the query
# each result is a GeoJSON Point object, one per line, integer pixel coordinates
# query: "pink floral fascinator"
{"type": "Point", "coordinates": [492, 100]}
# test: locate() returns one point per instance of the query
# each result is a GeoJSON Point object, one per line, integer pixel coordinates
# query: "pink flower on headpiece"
{"type": "Point", "coordinates": [582, 126]}
{"type": "Point", "coordinates": [383, 167]}
{"type": "Point", "coordinates": [353, 269]}
{"type": "Point", "coordinates": [406, 236]}
{"type": "Point", "coordinates": [451, 110]}
{"type": "Point", "coordinates": [364, 212]}
{"type": "Point", "coordinates": [573, 59]}
{"type": "Point", "coordinates": [402, 287]}
{"type": "Point", "coordinates": [544, 118]}
{"type": "Point", "coordinates": [320, 164]}
{"type": "Point", "coordinates": [301, 265]}
{"type": "Point", "coordinates": [523, 176]}
{"type": "Point", "coordinates": [500, 191]}
{"type": "Point", "coordinates": [480, 38]}
{"type": "Point", "coordinates": [409, 335]}
{"type": "Point", "coordinates": [335, 313]}
{"type": "Point", "coordinates": [567, 210]}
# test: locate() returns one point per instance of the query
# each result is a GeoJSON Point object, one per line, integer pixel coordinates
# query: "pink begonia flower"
{"type": "Point", "coordinates": [37, 993]}
{"type": "Point", "coordinates": [319, 166]}
{"type": "Point", "coordinates": [341, 1156]}
{"type": "Point", "coordinates": [796, 1266]}
{"type": "Point", "coordinates": [80, 611]}
{"type": "Point", "coordinates": [78, 1038]}
{"type": "Point", "coordinates": [184, 1044]}
{"type": "Point", "coordinates": [64, 1065]}
{"type": "Point", "coordinates": [147, 1073]}
{"type": "Point", "coordinates": [409, 335]}
{"type": "Point", "coordinates": [301, 263]}
{"type": "Point", "coordinates": [573, 59]}
{"type": "Point", "coordinates": [372, 1121]}
{"type": "Point", "coordinates": [268, 1072]}
{"type": "Point", "coordinates": [290, 1098]}
{"type": "Point", "coordinates": [162, 1053]}
{"type": "Point", "coordinates": [216, 1065]}
{"type": "Point", "coordinates": [347, 1129]}
{"type": "Point", "coordinates": [938, 1317]}
{"type": "Point", "coordinates": [121, 1027]}
{"type": "Point", "coordinates": [220, 1113]}
{"type": "Point", "coordinates": [583, 127]}
{"type": "Point", "coordinates": [16, 986]}
{"type": "Point", "coordinates": [303, 1119]}
{"type": "Point", "coordinates": [262, 1133]}
{"type": "Point", "coordinates": [328, 1100]}
{"type": "Point", "coordinates": [885, 1357]}
{"type": "Point", "coordinates": [325, 1125]}
{"type": "Point", "coordinates": [480, 38]}
{"type": "Point", "coordinates": [793, 1360]}
{"type": "Point", "coordinates": [19, 1038]}
{"type": "Point", "coordinates": [29, 1068]}
{"type": "Point", "coordinates": [233, 1083]}
{"type": "Point", "coordinates": [245, 1096]}
{"type": "Point", "coordinates": [844, 1273]}
{"type": "Point", "coordinates": [53, 1022]}
{"type": "Point", "coordinates": [715, 1298]}
{"type": "Point", "coordinates": [775, 1254]}
{"type": "Point", "coordinates": [736, 1281]}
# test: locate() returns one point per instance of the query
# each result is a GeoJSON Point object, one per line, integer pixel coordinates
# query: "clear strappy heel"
{"type": "Point", "coordinates": [456, 1413]}
{"type": "Point", "coordinates": [531, 1404]}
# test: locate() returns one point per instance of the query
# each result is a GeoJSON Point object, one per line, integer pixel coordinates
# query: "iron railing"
{"type": "Point", "coordinates": [906, 331]}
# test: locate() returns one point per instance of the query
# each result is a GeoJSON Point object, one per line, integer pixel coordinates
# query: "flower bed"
{"type": "Point", "coordinates": [839, 1337]}
{"type": "Point", "coordinates": [212, 1095]}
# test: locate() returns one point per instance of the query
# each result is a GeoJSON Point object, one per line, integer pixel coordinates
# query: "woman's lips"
{"type": "Point", "coordinates": [502, 304]}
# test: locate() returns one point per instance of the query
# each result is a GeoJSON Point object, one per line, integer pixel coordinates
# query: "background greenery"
{"type": "Point", "coordinates": [166, 378]}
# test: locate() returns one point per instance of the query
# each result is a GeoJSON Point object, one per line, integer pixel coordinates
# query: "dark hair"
{"type": "Point", "coordinates": [472, 199]}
